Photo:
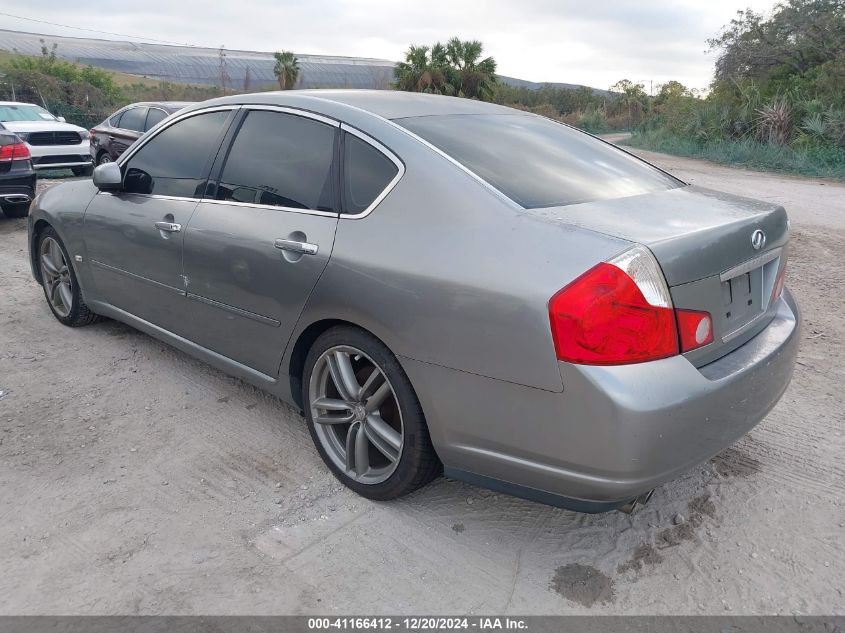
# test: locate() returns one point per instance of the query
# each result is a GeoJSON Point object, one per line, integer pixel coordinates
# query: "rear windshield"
{"type": "Point", "coordinates": [537, 162]}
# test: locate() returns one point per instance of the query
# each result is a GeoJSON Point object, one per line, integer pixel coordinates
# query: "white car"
{"type": "Point", "coordinates": [53, 143]}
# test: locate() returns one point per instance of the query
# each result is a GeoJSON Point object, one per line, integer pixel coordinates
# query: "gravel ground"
{"type": "Point", "coordinates": [134, 479]}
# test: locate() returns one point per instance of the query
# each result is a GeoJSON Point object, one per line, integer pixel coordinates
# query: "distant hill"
{"type": "Point", "coordinates": [198, 65]}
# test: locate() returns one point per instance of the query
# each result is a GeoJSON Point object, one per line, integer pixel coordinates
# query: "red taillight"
{"type": "Point", "coordinates": [17, 151]}
{"type": "Point", "coordinates": [603, 318]}
{"type": "Point", "coordinates": [695, 329]}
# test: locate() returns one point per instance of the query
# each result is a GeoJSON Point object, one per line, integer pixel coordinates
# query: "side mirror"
{"type": "Point", "coordinates": [61, 119]}
{"type": "Point", "coordinates": [107, 177]}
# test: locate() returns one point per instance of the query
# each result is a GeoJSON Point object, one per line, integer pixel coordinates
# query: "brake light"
{"type": "Point", "coordinates": [17, 151]}
{"type": "Point", "coordinates": [618, 312]}
{"type": "Point", "coordinates": [695, 329]}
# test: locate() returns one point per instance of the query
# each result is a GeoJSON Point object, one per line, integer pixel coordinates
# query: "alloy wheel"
{"type": "Point", "coordinates": [356, 414]}
{"type": "Point", "coordinates": [105, 158]}
{"type": "Point", "coordinates": [56, 276]}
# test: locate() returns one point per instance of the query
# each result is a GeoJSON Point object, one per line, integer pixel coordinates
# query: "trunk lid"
{"type": "Point", "coordinates": [703, 242]}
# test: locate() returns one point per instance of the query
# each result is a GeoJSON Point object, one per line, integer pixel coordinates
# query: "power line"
{"type": "Point", "coordinates": [79, 28]}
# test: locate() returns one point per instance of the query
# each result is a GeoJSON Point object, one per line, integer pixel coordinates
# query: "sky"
{"type": "Point", "coordinates": [582, 42]}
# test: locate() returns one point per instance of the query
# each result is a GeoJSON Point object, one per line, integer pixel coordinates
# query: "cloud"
{"type": "Point", "coordinates": [593, 43]}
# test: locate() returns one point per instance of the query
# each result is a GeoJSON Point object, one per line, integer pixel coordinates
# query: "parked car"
{"type": "Point", "coordinates": [111, 137]}
{"type": "Point", "coordinates": [17, 177]}
{"type": "Point", "coordinates": [439, 283]}
{"type": "Point", "coordinates": [52, 142]}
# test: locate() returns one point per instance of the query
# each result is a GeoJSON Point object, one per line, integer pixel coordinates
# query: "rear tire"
{"type": "Point", "coordinates": [15, 209]}
{"type": "Point", "coordinates": [390, 452]}
{"type": "Point", "coordinates": [103, 158]}
{"type": "Point", "coordinates": [61, 288]}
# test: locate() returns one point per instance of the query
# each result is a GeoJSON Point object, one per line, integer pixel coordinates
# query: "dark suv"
{"type": "Point", "coordinates": [111, 137]}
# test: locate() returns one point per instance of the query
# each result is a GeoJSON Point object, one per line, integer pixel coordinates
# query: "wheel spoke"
{"type": "Point", "coordinates": [377, 399]}
{"type": "Point", "coordinates": [66, 295]}
{"type": "Point", "coordinates": [383, 436]}
{"type": "Point", "coordinates": [47, 266]}
{"type": "Point", "coordinates": [375, 379]}
{"type": "Point", "coordinates": [330, 405]}
{"type": "Point", "coordinates": [55, 298]}
{"type": "Point", "coordinates": [56, 254]}
{"type": "Point", "coordinates": [362, 452]}
{"type": "Point", "coordinates": [343, 375]}
{"type": "Point", "coordinates": [350, 445]}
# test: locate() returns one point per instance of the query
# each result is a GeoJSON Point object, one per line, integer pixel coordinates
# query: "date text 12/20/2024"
{"type": "Point", "coordinates": [416, 624]}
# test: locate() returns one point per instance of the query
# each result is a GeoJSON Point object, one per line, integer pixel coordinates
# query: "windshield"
{"type": "Point", "coordinates": [24, 113]}
{"type": "Point", "coordinates": [537, 162]}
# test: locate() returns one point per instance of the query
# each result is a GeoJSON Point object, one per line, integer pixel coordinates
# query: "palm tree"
{"type": "Point", "coordinates": [422, 71]}
{"type": "Point", "coordinates": [286, 69]}
{"type": "Point", "coordinates": [472, 76]}
{"type": "Point", "coordinates": [451, 69]}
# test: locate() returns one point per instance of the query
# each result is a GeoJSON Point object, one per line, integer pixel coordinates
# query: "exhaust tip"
{"type": "Point", "coordinates": [643, 499]}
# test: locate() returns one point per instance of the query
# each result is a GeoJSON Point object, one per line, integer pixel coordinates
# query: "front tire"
{"type": "Point", "coordinates": [58, 279]}
{"type": "Point", "coordinates": [15, 209]}
{"type": "Point", "coordinates": [364, 416]}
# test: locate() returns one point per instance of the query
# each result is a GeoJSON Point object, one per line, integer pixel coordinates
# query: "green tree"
{"type": "Point", "coordinates": [454, 68]}
{"type": "Point", "coordinates": [799, 35]}
{"type": "Point", "coordinates": [470, 75]}
{"type": "Point", "coordinates": [631, 97]}
{"type": "Point", "coordinates": [286, 69]}
{"type": "Point", "coordinates": [423, 71]}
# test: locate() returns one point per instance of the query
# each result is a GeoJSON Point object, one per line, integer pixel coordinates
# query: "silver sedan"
{"type": "Point", "coordinates": [441, 285]}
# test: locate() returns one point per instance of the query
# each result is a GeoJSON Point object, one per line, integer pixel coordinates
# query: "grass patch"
{"type": "Point", "coordinates": [812, 160]}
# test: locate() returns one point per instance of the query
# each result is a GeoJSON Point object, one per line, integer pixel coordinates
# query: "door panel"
{"type": "Point", "coordinates": [136, 266]}
{"type": "Point", "coordinates": [246, 293]}
{"type": "Point", "coordinates": [133, 238]}
{"type": "Point", "coordinates": [254, 253]}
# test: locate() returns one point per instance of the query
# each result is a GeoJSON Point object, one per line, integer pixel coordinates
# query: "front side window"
{"type": "Point", "coordinates": [366, 173]}
{"type": "Point", "coordinates": [175, 162]}
{"type": "Point", "coordinates": [537, 162]}
{"type": "Point", "coordinates": [280, 160]}
{"type": "Point", "coordinates": [154, 116]}
{"type": "Point", "coordinates": [133, 119]}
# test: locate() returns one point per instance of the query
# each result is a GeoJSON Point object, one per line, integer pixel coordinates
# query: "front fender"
{"type": "Point", "coordinates": [63, 208]}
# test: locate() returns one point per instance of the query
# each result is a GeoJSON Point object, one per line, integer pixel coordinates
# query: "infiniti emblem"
{"type": "Point", "coordinates": [758, 240]}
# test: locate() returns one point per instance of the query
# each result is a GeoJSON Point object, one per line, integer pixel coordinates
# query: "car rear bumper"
{"type": "Point", "coordinates": [18, 184]}
{"type": "Point", "coordinates": [615, 432]}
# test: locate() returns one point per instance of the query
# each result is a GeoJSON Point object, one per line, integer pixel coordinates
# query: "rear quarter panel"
{"type": "Point", "coordinates": [444, 271]}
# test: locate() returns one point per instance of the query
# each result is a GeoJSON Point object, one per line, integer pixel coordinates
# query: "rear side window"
{"type": "Point", "coordinates": [175, 162]}
{"type": "Point", "coordinates": [281, 160]}
{"type": "Point", "coordinates": [133, 119]}
{"type": "Point", "coordinates": [366, 173]}
{"type": "Point", "coordinates": [115, 120]}
{"type": "Point", "coordinates": [537, 162]}
{"type": "Point", "coordinates": [154, 116]}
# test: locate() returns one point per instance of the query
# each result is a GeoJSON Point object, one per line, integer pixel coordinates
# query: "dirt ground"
{"type": "Point", "coordinates": [134, 479]}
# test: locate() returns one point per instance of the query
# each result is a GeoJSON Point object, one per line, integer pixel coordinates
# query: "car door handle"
{"type": "Point", "coordinates": [306, 248]}
{"type": "Point", "coordinates": [169, 227]}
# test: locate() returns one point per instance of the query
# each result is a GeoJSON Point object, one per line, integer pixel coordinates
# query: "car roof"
{"type": "Point", "coordinates": [17, 103]}
{"type": "Point", "coordinates": [388, 104]}
{"type": "Point", "coordinates": [168, 105]}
